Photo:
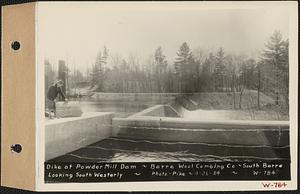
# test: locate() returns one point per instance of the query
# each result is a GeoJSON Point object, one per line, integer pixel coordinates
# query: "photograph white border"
{"type": "Point", "coordinates": [174, 185]}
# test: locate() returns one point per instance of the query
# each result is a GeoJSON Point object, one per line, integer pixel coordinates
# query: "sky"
{"type": "Point", "coordinates": [76, 32]}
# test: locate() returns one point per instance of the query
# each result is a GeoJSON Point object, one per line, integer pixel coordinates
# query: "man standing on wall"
{"type": "Point", "coordinates": [53, 93]}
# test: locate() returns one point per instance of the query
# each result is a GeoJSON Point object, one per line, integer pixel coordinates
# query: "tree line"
{"type": "Point", "coordinates": [193, 72]}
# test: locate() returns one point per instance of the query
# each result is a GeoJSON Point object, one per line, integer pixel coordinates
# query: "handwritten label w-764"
{"type": "Point", "coordinates": [274, 185]}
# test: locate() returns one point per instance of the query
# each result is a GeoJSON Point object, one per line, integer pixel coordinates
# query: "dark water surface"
{"type": "Point", "coordinates": [129, 150]}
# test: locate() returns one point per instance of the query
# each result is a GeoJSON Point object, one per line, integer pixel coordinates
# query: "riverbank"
{"type": "Point", "coordinates": [223, 105]}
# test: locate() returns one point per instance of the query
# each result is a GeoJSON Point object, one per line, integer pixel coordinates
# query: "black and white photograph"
{"type": "Point", "coordinates": [165, 91]}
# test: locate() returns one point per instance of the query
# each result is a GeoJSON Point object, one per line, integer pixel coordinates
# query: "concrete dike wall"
{"type": "Point", "coordinates": [159, 123]}
{"type": "Point", "coordinates": [158, 111]}
{"type": "Point", "coordinates": [69, 134]}
{"type": "Point", "coordinates": [163, 127]}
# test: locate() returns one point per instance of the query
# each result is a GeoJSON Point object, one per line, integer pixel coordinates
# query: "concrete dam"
{"type": "Point", "coordinates": [166, 132]}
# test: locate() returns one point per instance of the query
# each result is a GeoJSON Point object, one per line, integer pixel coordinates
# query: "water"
{"type": "Point", "coordinates": [130, 150]}
{"type": "Point", "coordinates": [121, 109]}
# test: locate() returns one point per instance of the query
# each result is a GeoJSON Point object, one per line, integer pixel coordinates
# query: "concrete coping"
{"type": "Point", "coordinates": [85, 115]}
{"type": "Point", "coordinates": [202, 124]}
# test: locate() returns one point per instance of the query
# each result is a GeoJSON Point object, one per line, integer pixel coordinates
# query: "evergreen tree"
{"type": "Point", "coordinates": [219, 71]}
{"type": "Point", "coordinates": [99, 70]}
{"type": "Point", "coordinates": [160, 69]}
{"type": "Point", "coordinates": [284, 68]}
{"type": "Point", "coordinates": [275, 56]}
{"type": "Point", "coordinates": [104, 59]}
{"type": "Point", "coordinates": [182, 66]}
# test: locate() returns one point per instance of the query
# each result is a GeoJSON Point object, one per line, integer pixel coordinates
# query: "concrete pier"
{"type": "Point", "coordinates": [68, 134]}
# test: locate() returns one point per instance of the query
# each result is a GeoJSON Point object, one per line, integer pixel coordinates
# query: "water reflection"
{"type": "Point", "coordinates": [121, 109]}
{"type": "Point", "coordinates": [129, 150]}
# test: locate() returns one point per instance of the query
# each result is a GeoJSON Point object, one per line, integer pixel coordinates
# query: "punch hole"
{"type": "Point", "coordinates": [15, 45]}
{"type": "Point", "coordinates": [17, 148]}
